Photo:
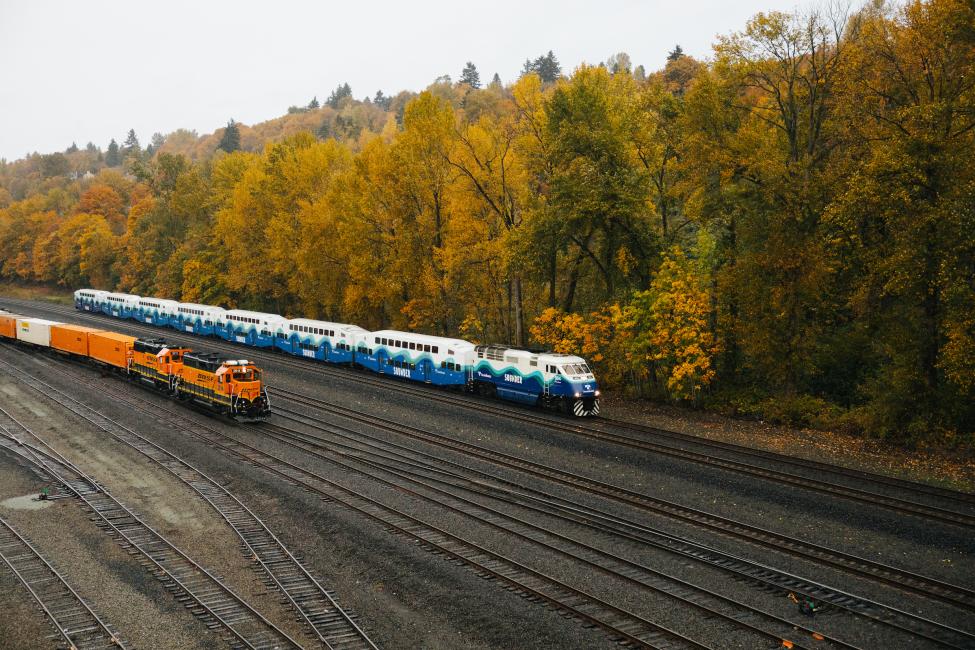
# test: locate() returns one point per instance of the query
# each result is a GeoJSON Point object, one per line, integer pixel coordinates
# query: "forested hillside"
{"type": "Point", "coordinates": [786, 229]}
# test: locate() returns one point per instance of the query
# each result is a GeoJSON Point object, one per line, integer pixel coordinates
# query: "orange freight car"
{"type": "Point", "coordinates": [8, 325]}
{"type": "Point", "coordinates": [111, 347]}
{"type": "Point", "coordinates": [71, 338]}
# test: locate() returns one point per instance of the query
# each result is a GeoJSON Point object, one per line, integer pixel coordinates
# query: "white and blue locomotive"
{"type": "Point", "coordinates": [557, 381]}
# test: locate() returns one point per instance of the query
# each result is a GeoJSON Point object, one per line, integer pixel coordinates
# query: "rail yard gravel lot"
{"type": "Point", "coordinates": [408, 597]}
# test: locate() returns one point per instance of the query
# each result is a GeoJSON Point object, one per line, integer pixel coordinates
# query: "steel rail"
{"type": "Point", "coordinates": [205, 594]}
{"type": "Point", "coordinates": [316, 605]}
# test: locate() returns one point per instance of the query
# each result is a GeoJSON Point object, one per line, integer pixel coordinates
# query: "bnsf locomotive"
{"type": "Point", "coordinates": [227, 386]}
{"type": "Point", "coordinates": [557, 381]}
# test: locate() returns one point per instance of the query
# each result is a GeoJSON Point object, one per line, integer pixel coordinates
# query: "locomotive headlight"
{"type": "Point", "coordinates": [578, 395]}
{"type": "Point", "coordinates": [597, 393]}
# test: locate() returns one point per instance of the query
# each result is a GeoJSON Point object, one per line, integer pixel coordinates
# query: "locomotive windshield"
{"type": "Point", "coordinates": [576, 369]}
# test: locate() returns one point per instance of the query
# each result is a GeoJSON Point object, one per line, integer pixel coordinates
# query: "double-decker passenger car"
{"type": "Point", "coordinates": [197, 319]}
{"type": "Point", "coordinates": [318, 339]}
{"type": "Point", "coordinates": [250, 327]}
{"type": "Point", "coordinates": [89, 299]}
{"type": "Point", "coordinates": [120, 305]}
{"type": "Point", "coordinates": [430, 359]}
{"type": "Point", "coordinates": [156, 311]}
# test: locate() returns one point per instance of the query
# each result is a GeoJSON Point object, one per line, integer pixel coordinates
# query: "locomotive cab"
{"type": "Point", "coordinates": [570, 382]}
{"type": "Point", "coordinates": [241, 382]}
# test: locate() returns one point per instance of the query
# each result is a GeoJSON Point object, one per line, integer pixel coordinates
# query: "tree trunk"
{"type": "Point", "coordinates": [519, 315]}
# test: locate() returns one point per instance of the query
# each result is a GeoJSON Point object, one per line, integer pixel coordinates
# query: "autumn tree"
{"type": "Point", "coordinates": [671, 321]}
{"type": "Point", "coordinates": [102, 200]}
{"type": "Point", "coordinates": [599, 187]}
{"type": "Point", "coordinates": [908, 220]}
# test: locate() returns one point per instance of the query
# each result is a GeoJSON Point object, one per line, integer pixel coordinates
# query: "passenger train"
{"type": "Point", "coordinates": [556, 381]}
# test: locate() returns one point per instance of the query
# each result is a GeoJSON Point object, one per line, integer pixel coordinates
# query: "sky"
{"type": "Point", "coordinates": [89, 71]}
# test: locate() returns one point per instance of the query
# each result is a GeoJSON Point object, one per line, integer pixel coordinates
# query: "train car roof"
{"type": "Point", "coordinates": [423, 338]}
{"type": "Point", "coordinates": [329, 324]}
{"type": "Point", "coordinates": [100, 292]}
{"type": "Point", "coordinates": [124, 295]}
{"type": "Point", "coordinates": [255, 314]}
{"type": "Point", "coordinates": [196, 305]}
{"type": "Point", "coordinates": [166, 300]}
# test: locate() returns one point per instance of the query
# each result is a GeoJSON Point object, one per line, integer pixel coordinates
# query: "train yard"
{"type": "Point", "coordinates": [371, 513]}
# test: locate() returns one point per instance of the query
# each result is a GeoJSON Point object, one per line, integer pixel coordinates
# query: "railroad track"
{"type": "Point", "coordinates": [316, 606]}
{"type": "Point", "coordinates": [958, 596]}
{"type": "Point", "coordinates": [76, 622]}
{"type": "Point", "coordinates": [596, 431]}
{"type": "Point", "coordinates": [620, 625]}
{"type": "Point", "coordinates": [709, 603]}
{"type": "Point", "coordinates": [432, 473]}
{"type": "Point", "coordinates": [201, 592]}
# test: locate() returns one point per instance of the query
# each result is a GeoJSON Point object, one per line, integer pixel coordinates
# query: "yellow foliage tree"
{"type": "Point", "coordinates": [670, 323]}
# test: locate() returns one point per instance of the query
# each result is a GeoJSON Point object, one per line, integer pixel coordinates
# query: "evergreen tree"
{"type": "Point", "coordinates": [72, 149]}
{"type": "Point", "coordinates": [131, 145]}
{"type": "Point", "coordinates": [230, 141]}
{"type": "Point", "coordinates": [313, 104]}
{"type": "Point", "coordinates": [340, 93]}
{"type": "Point", "coordinates": [675, 53]}
{"type": "Point", "coordinates": [157, 141]}
{"type": "Point", "coordinates": [382, 100]}
{"type": "Point", "coordinates": [470, 76]}
{"type": "Point", "coordinates": [91, 148]}
{"type": "Point", "coordinates": [113, 158]}
{"type": "Point", "coordinates": [496, 81]}
{"type": "Point", "coordinates": [548, 67]}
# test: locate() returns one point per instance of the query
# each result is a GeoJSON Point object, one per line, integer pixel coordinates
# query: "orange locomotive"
{"type": "Point", "coordinates": [229, 386]}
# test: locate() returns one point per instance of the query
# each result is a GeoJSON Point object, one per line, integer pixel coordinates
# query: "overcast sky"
{"type": "Point", "coordinates": [91, 70]}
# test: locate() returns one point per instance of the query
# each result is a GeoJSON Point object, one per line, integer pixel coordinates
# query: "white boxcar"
{"type": "Point", "coordinates": [35, 330]}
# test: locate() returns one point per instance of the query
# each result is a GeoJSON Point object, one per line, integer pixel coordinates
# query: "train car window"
{"type": "Point", "coordinates": [412, 366]}
{"type": "Point", "coordinates": [443, 364]}
{"type": "Point", "coordinates": [436, 349]}
{"type": "Point", "coordinates": [533, 363]}
{"type": "Point", "coordinates": [426, 348]}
